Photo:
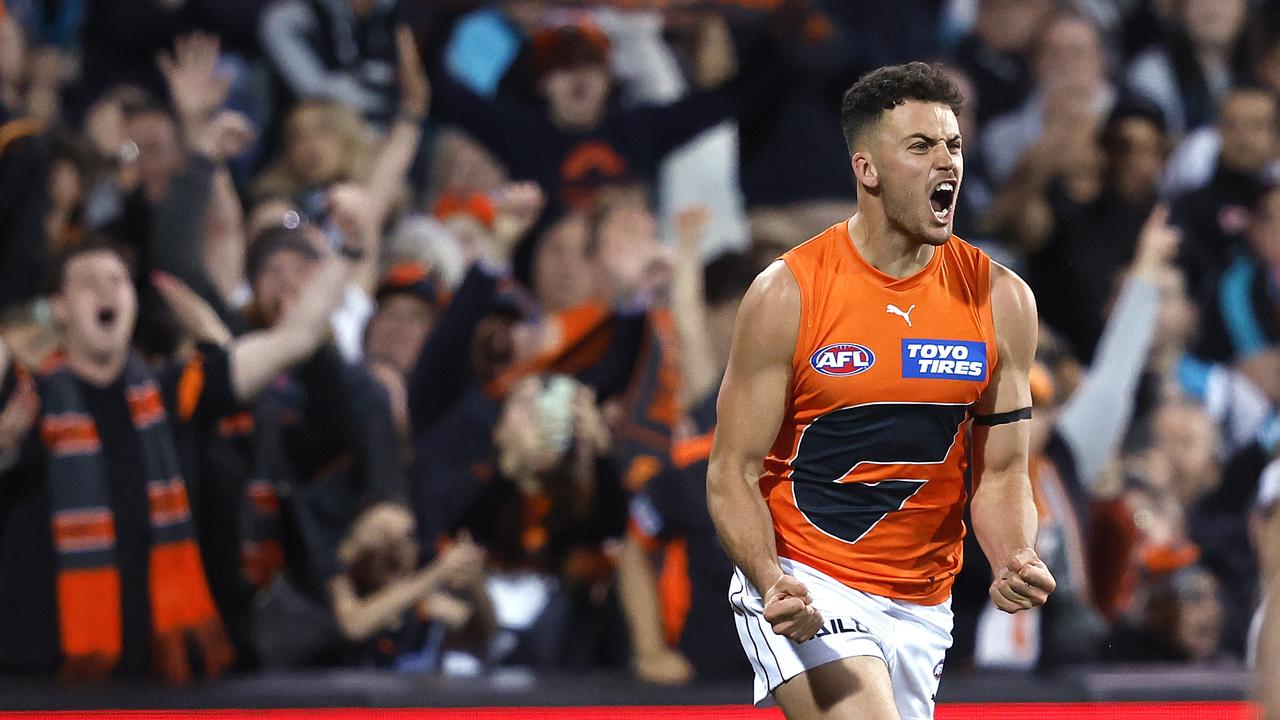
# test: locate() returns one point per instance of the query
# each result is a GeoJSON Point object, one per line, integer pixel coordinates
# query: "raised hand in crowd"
{"type": "Point", "coordinates": [19, 413]}
{"type": "Point", "coordinates": [637, 265]}
{"type": "Point", "coordinates": [1157, 247]}
{"type": "Point", "coordinates": [716, 59]}
{"type": "Point", "coordinates": [194, 315]}
{"type": "Point", "coordinates": [689, 308]}
{"type": "Point", "coordinates": [415, 88]}
{"type": "Point", "coordinates": [198, 91]}
{"type": "Point", "coordinates": [518, 205]}
{"type": "Point", "coordinates": [195, 87]}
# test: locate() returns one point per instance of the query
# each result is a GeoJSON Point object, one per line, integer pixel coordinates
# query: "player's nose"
{"type": "Point", "coordinates": [942, 157]}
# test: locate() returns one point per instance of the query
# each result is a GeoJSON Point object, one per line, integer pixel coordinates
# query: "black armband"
{"type": "Point", "coordinates": [1004, 417]}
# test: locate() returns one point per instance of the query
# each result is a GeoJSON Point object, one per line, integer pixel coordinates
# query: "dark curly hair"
{"type": "Point", "coordinates": [885, 88]}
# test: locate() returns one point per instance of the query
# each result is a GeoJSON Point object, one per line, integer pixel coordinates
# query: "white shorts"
{"type": "Point", "coordinates": [911, 639]}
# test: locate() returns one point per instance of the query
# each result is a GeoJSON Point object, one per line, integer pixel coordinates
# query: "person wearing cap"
{"type": "Point", "coordinates": [329, 417]}
{"type": "Point", "coordinates": [582, 140]}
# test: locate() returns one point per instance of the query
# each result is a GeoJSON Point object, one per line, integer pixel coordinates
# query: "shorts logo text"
{"type": "Point", "coordinates": [839, 626]}
{"type": "Point", "coordinates": [944, 359]}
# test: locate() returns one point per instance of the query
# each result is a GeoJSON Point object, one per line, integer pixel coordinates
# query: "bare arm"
{"type": "Point", "coordinates": [751, 407]}
{"type": "Point", "coordinates": [1004, 514]}
{"type": "Point", "coordinates": [1267, 682]}
{"type": "Point", "coordinates": [652, 660]}
{"type": "Point", "coordinates": [688, 303]}
{"type": "Point", "coordinates": [359, 618]}
{"type": "Point", "coordinates": [395, 156]}
{"type": "Point", "coordinates": [258, 357]}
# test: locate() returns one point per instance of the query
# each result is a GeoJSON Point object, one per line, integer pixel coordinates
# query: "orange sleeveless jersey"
{"type": "Point", "coordinates": [865, 480]}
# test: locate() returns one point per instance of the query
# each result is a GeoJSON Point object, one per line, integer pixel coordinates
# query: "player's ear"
{"type": "Point", "coordinates": [864, 171]}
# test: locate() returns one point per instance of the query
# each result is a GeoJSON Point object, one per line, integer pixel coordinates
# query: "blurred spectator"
{"type": "Point", "coordinates": [131, 602]}
{"type": "Point", "coordinates": [25, 153]}
{"type": "Point", "coordinates": [676, 630]}
{"type": "Point", "coordinates": [1216, 214]}
{"type": "Point", "coordinates": [332, 418]}
{"type": "Point", "coordinates": [548, 520]}
{"type": "Point", "coordinates": [1088, 237]}
{"type": "Point", "coordinates": [341, 51]}
{"type": "Point", "coordinates": [1070, 100]}
{"type": "Point", "coordinates": [1246, 328]}
{"type": "Point", "coordinates": [1073, 441]}
{"type": "Point", "coordinates": [997, 54]}
{"type": "Point", "coordinates": [1204, 55]}
{"type": "Point", "coordinates": [398, 616]}
{"type": "Point", "coordinates": [1180, 620]}
{"type": "Point", "coordinates": [583, 141]}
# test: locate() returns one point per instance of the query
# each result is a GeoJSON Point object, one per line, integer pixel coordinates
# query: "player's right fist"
{"type": "Point", "coordinates": [789, 609]}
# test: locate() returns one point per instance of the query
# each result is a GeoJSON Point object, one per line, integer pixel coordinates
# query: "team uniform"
{"type": "Point", "coordinates": [865, 481]}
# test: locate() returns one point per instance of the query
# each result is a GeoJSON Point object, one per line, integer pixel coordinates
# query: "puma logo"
{"type": "Point", "coordinates": [895, 310]}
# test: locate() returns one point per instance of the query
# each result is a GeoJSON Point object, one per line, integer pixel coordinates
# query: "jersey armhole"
{"type": "Point", "coordinates": [987, 310]}
{"type": "Point", "coordinates": [798, 354]}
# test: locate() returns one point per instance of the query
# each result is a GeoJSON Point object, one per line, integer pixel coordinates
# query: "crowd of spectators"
{"type": "Point", "coordinates": [387, 333]}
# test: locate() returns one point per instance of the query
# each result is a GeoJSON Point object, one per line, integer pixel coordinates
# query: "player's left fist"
{"type": "Point", "coordinates": [1023, 583]}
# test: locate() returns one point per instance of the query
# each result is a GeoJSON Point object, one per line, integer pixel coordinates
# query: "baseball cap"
{"type": "Point", "coordinates": [415, 279]}
{"type": "Point", "coordinates": [274, 240]}
{"type": "Point", "coordinates": [569, 44]}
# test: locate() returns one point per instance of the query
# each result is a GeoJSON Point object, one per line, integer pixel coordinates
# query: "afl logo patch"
{"type": "Point", "coordinates": [842, 359]}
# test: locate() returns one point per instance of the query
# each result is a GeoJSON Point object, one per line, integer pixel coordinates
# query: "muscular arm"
{"type": "Point", "coordinates": [1004, 514]}
{"type": "Point", "coordinates": [753, 398]}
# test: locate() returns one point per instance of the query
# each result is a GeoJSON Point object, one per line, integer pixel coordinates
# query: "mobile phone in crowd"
{"type": "Point", "coordinates": [555, 407]}
{"type": "Point", "coordinates": [315, 205]}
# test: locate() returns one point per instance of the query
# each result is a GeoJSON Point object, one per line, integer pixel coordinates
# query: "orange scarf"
{"type": "Point", "coordinates": [88, 580]}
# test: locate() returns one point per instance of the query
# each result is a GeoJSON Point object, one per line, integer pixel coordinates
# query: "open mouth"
{"type": "Point", "coordinates": [107, 317]}
{"type": "Point", "coordinates": [942, 200]}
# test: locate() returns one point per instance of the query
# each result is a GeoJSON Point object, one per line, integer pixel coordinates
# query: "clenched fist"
{"type": "Point", "coordinates": [789, 609]}
{"type": "Point", "coordinates": [1023, 583]}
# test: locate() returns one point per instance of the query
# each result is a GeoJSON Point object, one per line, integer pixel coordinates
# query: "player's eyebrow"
{"type": "Point", "coordinates": [930, 140]}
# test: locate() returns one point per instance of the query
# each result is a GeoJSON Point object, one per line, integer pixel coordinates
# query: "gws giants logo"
{"type": "Point", "coordinates": [843, 359]}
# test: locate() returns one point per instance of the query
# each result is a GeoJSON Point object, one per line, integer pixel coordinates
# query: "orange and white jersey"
{"type": "Point", "coordinates": [865, 480]}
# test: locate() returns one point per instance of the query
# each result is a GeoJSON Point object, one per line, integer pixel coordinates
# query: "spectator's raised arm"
{"type": "Point", "coordinates": [395, 157]}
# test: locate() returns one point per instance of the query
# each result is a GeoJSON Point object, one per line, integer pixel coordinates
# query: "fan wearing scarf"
{"type": "Point", "coordinates": [95, 490]}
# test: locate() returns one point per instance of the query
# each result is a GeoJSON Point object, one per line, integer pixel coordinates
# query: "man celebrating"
{"type": "Point", "coordinates": [100, 571]}
{"type": "Point", "coordinates": [836, 481]}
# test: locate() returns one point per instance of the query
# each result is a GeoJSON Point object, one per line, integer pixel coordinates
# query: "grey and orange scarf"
{"type": "Point", "coordinates": [88, 579]}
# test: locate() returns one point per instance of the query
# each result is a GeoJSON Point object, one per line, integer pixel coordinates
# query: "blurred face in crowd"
{"type": "Point", "coordinates": [1009, 25]}
{"type": "Point", "coordinates": [1264, 228]}
{"type": "Point", "coordinates": [576, 96]}
{"type": "Point", "coordinates": [278, 283]}
{"type": "Point", "coordinates": [1137, 157]}
{"type": "Point", "coordinates": [160, 155]}
{"type": "Point", "coordinates": [563, 274]}
{"type": "Point", "coordinates": [915, 166]}
{"type": "Point", "coordinates": [381, 547]}
{"type": "Point", "coordinates": [397, 331]}
{"type": "Point", "coordinates": [1069, 57]}
{"type": "Point", "coordinates": [1198, 628]}
{"type": "Point", "coordinates": [1247, 124]}
{"type": "Point", "coordinates": [1186, 437]}
{"type": "Point", "coordinates": [1213, 23]}
{"type": "Point", "coordinates": [313, 144]}
{"type": "Point", "coordinates": [97, 306]}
